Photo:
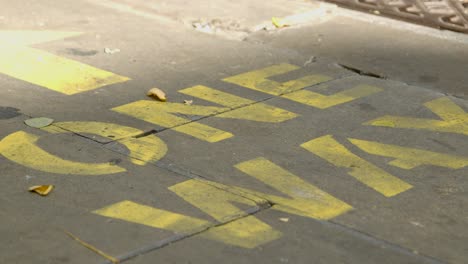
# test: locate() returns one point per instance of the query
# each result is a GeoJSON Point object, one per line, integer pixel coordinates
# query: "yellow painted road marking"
{"type": "Point", "coordinates": [162, 113]}
{"type": "Point", "coordinates": [409, 158]}
{"type": "Point", "coordinates": [247, 232]}
{"type": "Point", "coordinates": [20, 147]}
{"type": "Point", "coordinates": [454, 118]}
{"type": "Point", "coordinates": [305, 199]}
{"type": "Point", "coordinates": [215, 199]}
{"type": "Point", "coordinates": [142, 150]}
{"type": "Point", "coordinates": [325, 101]}
{"type": "Point", "coordinates": [48, 70]}
{"type": "Point", "coordinates": [141, 214]}
{"type": "Point", "coordinates": [329, 149]}
{"type": "Point", "coordinates": [257, 80]}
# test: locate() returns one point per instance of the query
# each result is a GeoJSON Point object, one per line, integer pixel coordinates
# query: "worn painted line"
{"type": "Point", "coordinates": [20, 147]}
{"type": "Point", "coordinates": [164, 113]}
{"type": "Point", "coordinates": [374, 177]}
{"type": "Point", "coordinates": [142, 150]}
{"type": "Point", "coordinates": [410, 158]}
{"type": "Point", "coordinates": [217, 200]}
{"type": "Point", "coordinates": [326, 101]}
{"type": "Point", "coordinates": [247, 232]}
{"type": "Point", "coordinates": [146, 215]}
{"type": "Point", "coordinates": [304, 199]}
{"type": "Point", "coordinates": [258, 80]}
{"type": "Point", "coordinates": [47, 70]}
{"type": "Point", "coordinates": [454, 119]}
{"type": "Point", "coordinates": [293, 90]}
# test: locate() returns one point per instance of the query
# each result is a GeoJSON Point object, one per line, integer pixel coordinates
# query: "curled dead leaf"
{"type": "Point", "coordinates": [188, 102]}
{"type": "Point", "coordinates": [158, 94]}
{"type": "Point", "coordinates": [41, 189]}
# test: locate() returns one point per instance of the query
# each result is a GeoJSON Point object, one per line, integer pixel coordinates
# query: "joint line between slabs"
{"type": "Point", "coordinates": [156, 131]}
{"type": "Point", "coordinates": [330, 223]}
{"type": "Point", "coordinates": [179, 237]}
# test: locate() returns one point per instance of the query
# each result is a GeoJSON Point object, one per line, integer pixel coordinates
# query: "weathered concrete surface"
{"type": "Point", "coordinates": [260, 169]}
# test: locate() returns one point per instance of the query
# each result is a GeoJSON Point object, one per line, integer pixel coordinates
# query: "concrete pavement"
{"type": "Point", "coordinates": [268, 150]}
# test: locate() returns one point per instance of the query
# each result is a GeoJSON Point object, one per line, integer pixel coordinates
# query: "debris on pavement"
{"type": "Point", "coordinates": [188, 102]}
{"type": "Point", "coordinates": [316, 15]}
{"type": "Point", "coordinates": [92, 248]}
{"type": "Point", "coordinates": [284, 219]}
{"type": "Point", "coordinates": [203, 27]}
{"type": "Point", "coordinates": [312, 59]}
{"type": "Point", "coordinates": [278, 22]}
{"type": "Point", "coordinates": [158, 94]}
{"type": "Point", "coordinates": [222, 27]}
{"type": "Point", "coordinates": [111, 51]}
{"type": "Point", "coordinates": [42, 190]}
{"type": "Point", "coordinates": [39, 122]}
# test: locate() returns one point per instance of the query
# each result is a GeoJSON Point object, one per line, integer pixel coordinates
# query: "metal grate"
{"type": "Point", "coordinates": [445, 14]}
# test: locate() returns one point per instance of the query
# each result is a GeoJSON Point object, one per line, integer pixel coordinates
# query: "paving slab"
{"type": "Point", "coordinates": [318, 243]}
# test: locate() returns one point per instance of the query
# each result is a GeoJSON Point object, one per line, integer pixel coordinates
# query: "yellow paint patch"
{"type": "Point", "coordinates": [237, 227]}
{"type": "Point", "coordinates": [326, 101]}
{"type": "Point", "coordinates": [292, 90]}
{"type": "Point", "coordinates": [257, 80]}
{"type": "Point", "coordinates": [142, 150]}
{"type": "Point", "coordinates": [247, 232]}
{"type": "Point", "coordinates": [454, 119]}
{"type": "Point", "coordinates": [153, 217]}
{"type": "Point", "coordinates": [409, 158]}
{"type": "Point", "coordinates": [163, 114]}
{"type": "Point", "coordinates": [20, 147]}
{"type": "Point", "coordinates": [329, 149]}
{"type": "Point", "coordinates": [160, 114]}
{"type": "Point", "coordinates": [306, 199]}
{"type": "Point", "coordinates": [48, 70]}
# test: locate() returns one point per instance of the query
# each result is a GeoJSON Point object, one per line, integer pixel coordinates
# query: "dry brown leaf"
{"type": "Point", "coordinates": [158, 94]}
{"type": "Point", "coordinates": [188, 102]}
{"type": "Point", "coordinates": [41, 189]}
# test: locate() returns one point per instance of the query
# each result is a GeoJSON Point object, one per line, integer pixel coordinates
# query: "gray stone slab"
{"type": "Point", "coordinates": [304, 241]}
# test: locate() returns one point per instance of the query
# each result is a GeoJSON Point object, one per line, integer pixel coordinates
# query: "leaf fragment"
{"type": "Point", "coordinates": [278, 22]}
{"type": "Point", "coordinates": [42, 190]}
{"type": "Point", "coordinates": [158, 94]}
{"type": "Point", "coordinates": [39, 122]}
{"type": "Point", "coordinates": [188, 102]}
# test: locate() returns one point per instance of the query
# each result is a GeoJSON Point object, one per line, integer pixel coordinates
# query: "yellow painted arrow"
{"type": "Point", "coordinates": [47, 70]}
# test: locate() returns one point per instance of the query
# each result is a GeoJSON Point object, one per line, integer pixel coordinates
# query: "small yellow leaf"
{"type": "Point", "coordinates": [158, 94]}
{"type": "Point", "coordinates": [284, 219]}
{"type": "Point", "coordinates": [41, 189]}
{"type": "Point", "coordinates": [278, 22]}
